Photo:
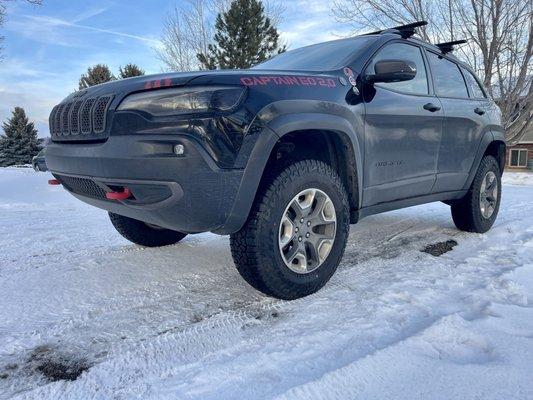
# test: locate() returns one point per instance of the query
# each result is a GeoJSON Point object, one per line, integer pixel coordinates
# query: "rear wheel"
{"type": "Point", "coordinates": [477, 211]}
{"type": "Point", "coordinates": [296, 233]}
{"type": "Point", "coordinates": [144, 234]}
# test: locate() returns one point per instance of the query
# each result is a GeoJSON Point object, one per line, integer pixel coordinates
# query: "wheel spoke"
{"type": "Point", "coordinates": [298, 260]}
{"type": "Point", "coordinates": [291, 253]}
{"type": "Point", "coordinates": [318, 206]}
{"type": "Point", "coordinates": [491, 182]}
{"type": "Point", "coordinates": [488, 194]}
{"type": "Point", "coordinates": [324, 249]}
{"type": "Point", "coordinates": [303, 203]}
{"type": "Point", "coordinates": [328, 212]}
{"type": "Point", "coordinates": [286, 232]}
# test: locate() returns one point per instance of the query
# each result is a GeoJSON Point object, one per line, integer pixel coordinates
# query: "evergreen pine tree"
{"type": "Point", "coordinates": [100, 73]}
{"type": "Point", "coordinates": [244, 37]}
{"type": "Point", "coordinates": [20, 142]}
{"type": "Point", "coordinates": [129, 71]}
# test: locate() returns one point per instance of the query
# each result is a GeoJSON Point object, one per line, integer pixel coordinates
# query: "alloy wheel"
{"type": "Point", "coordinates": [307, 230]}
{"type": "Point", "coordinates": [488, 195]}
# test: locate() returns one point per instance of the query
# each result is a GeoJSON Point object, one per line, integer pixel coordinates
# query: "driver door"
{"type": "Point", "coordinates": [403, 127]}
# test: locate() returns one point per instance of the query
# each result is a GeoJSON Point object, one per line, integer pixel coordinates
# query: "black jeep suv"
{"type": "Point", "coordinates": [286, 155]}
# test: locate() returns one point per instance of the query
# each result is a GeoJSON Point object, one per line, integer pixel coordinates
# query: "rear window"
{"type": "Point", "coordinates": [319, 57]}
{"type": "Point", "coordinates": [449, 81]}
{"type": "Point", "coordinates": [473, 84]}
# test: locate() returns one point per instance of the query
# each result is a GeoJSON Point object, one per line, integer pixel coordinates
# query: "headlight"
{"type": "Point", "coordinates": [185, 100]}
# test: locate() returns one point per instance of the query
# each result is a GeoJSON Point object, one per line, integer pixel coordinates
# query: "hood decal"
{"type": "Point", "coordinates": [158, 83]}
{"type": "Point", "coordinates": [263, 80]}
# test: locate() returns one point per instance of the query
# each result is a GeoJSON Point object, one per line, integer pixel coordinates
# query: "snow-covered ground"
{"type": "Point", "coordinates": [179, 323]}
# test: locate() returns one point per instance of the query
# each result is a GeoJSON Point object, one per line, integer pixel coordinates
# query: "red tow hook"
{"type": "Point", "coordinates": [54, 182]}
{"type": "Point", "coordinates": [125, 194]}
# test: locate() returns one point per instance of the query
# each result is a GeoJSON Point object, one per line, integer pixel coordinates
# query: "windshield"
{"type": "Point", "coordinates": [319, 57]}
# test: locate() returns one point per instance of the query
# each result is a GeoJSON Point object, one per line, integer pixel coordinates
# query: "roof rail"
{"type": "Point", "coordinates": [448, 47]}
{"type": "Point", "coordinates": [406, 31]}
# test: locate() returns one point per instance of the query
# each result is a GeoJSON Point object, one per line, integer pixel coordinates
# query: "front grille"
{"type": "Point", "coordinates": [57, 119]}
{"type": "Point", "coordinates": [64, 119]}
{"type": "Point", "coordinates": [82, 186]}
{"type": "Point", "coordinates": [99, 114]}
{"type": "Point", "coordinates": [52, 120]}
{"type": "Point", "coordinates": [75, 118]}
{"type": "Point", "coordinates": [86, 117]}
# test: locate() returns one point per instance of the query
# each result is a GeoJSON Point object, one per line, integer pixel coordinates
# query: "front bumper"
{"type": "Point", "coordinates": [187, 193]}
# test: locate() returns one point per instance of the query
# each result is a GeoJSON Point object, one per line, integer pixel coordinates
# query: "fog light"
{"type": "Point", "coordinates": [179, 149]}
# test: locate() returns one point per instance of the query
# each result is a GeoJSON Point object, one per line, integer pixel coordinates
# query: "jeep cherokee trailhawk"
{"type": "Point", "coordinates": [284, 156]}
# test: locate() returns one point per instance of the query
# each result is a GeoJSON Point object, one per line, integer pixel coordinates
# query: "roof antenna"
{"type": "Point", "coordinates": [448, 47]}
{"type": "Point", "coordinates": [405, 31]}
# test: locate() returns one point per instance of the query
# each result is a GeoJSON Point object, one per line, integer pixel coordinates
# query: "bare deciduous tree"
{"type": "Point", "coordinates": [500, 41]}
{"type": "Point", "coordinates": [189, 29]}
{"type": "Point", "coordinates": [3, 6]}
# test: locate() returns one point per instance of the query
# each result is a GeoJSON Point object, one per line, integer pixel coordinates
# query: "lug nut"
{"type": "Point", "coordinates": [296, 229]}
{"type": "Point", "coordinates": [308, 223]}
{"type": "Point", "coordinates": [307, 235]}
{"type": "Point", "coordinates": [301, 220]}
{"type": "Point", "coordinates": [299, 238]}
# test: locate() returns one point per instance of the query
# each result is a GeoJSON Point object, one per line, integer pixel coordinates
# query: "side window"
{"type": "Point", "coordinates": [449, 81]}
{"type": "Point", "coordinates": [473, 84]}
{"type": "Point", "coordinates": [401, 51]}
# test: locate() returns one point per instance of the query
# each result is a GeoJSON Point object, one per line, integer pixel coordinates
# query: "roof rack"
{"type": "Point", "coordinates": [406, 31]}
{"type": "Point", "coordinates": [448, 47]}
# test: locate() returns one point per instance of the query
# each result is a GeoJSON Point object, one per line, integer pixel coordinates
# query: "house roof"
{"type": "Point", "coordinates": [528, 137]}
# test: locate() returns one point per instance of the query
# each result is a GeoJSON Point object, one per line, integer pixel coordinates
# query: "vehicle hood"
{"type": "Point", "coordinates": [122, 87]}
{"type": "Point", "coordinates": [134, 84]}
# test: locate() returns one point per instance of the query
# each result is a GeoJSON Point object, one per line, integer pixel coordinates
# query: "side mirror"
{"type": "Point", "coordinates": [392, 71]}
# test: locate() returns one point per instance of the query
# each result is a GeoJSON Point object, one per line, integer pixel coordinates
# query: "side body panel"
{"type": "Point", "coordinates": [401, 146]}
{"type": "Point", "coordinates": [461, 135]}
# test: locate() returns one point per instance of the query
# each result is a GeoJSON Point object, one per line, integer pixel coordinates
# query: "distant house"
{"type": "Point", "coordinates": [520, 156]}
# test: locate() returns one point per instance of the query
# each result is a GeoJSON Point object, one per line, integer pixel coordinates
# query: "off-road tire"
{"type": "Point", "coordinates": [466, 213]}
{"type": "Point", "coordinates": [255, 248]}
{"type": "Point", "coordinates": [143, 234]}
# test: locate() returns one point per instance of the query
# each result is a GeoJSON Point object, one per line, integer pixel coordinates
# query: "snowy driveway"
{"type": "Point", "coordinates": [179, 322]}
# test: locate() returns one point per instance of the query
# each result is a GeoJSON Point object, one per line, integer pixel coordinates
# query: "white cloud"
{"type": "Point", "coordinates": [308, 22]}
{"type": "Point", "coordinates": [89, 14]}
{"type": "Point", "coordinates": [58, 22]}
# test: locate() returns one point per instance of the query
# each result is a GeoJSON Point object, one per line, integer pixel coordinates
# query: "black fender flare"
{"type": "Point", "coordinates": [489, 137]}
{"type": "Point", "coordinates": [267, 138]}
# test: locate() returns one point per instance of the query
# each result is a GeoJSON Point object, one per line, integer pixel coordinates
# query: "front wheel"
{"type": "Point", "coordinates": [477, 211]}
{"type": "Point", "coordinates": [296, 233]}
{"type": "Point", "coordinates": [144, 234]}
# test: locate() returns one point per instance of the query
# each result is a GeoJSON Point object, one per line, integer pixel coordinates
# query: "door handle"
{"type": "Point", "coordinates": [479, 111]}
{"type": "Point", "coordinates": [431, 107]}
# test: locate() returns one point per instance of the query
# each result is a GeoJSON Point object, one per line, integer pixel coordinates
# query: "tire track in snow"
{"type": "Point", "coordinates": [354, 278]}
{"type": "Point", "coordinates": [222, 319]}
{"type": "Point", "coordinates": [220, 328]}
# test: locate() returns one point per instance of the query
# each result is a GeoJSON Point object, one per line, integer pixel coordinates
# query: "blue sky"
{"type": "Point", "coordinates": [48, 47]}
